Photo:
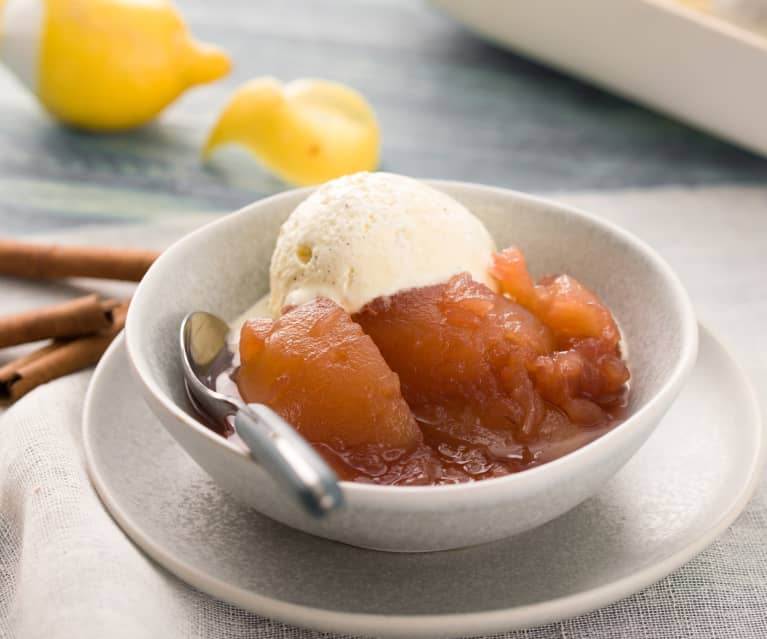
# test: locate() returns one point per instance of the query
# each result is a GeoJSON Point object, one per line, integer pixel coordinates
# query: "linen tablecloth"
{"type": "Point", "coordinates": [450, 107]}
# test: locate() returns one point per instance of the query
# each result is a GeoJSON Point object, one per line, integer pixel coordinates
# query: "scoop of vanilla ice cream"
{"type": "Point", "coordinates": [371, 234]}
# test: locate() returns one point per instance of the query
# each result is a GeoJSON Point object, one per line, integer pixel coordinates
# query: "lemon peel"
{"type": "Point", "coordinates": [307, 131]}
{"type": "Point", "coordinates": [110, 64]}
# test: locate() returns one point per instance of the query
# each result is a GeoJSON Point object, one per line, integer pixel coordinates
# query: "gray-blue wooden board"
{"type": "Point", "coordinates": [450, 106]}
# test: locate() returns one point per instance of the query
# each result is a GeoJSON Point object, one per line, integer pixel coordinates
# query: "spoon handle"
{"type": "Point", "coordinates": [289, 458]}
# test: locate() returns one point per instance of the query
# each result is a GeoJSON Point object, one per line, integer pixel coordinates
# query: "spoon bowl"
{"type": "Point", "coordinates": [272, 441]}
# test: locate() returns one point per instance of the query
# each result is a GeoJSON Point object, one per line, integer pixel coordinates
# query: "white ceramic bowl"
{"type": "Point", "coordinates": [223, 268]}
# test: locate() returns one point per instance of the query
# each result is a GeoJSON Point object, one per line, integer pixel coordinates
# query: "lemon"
{"type": "Point", "coordinates": [104, 64]}
{"type": "Point", "coordinates": [307, 131]}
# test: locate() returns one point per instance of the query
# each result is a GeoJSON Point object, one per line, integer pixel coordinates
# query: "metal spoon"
{"type": "Point", "coordinates": [287, 456]}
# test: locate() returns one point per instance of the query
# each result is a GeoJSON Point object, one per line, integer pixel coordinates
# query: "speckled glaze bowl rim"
{"type": "Point", "coordinates": [522, 482]}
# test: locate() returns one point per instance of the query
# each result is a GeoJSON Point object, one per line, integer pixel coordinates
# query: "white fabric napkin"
{"type": "Point", "coordinates": [67, 570]}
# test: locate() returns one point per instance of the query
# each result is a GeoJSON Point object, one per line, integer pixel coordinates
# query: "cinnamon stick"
{"type": "Point", "coordinates": [71, 319]}
{"type": "Point", "coordinates": [9, 370]}
{"type": "Point", "coordinates": [60, 358]}
{"type": "Point", "coordinates": [54, 261]}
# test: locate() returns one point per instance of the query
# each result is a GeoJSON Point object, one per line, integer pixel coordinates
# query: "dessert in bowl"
{"type": "Point", "coordinates": [456, 369]}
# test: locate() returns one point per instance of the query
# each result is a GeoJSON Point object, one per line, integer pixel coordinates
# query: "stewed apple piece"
{"type": "Point", "coordinates": [460, 351]}
{"type": "Point", "coordinates": [582, 381]}
{"type": "Point", "coordinates": [565, 305]}
{"type": "Point", "coordinates": [586, 373]}
{"type": "Point", "coordinates": [316, 368]}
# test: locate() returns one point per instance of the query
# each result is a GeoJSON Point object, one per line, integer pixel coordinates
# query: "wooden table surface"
{"type": "Point", "coordinates": [450, 106]}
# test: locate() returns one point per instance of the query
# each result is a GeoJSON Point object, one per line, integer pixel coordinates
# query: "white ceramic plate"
{"type": "Point", "coordinates": [684, 487]}
{"type": "Point", "coordinates": [679, 60]}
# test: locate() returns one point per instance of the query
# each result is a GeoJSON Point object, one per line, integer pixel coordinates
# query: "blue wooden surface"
{"type": "Point", "coordinates": [450, 106]}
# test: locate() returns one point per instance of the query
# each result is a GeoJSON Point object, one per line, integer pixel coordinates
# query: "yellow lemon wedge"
{"type": "Point", "coordinates": [307, 131]}
{"type": "Point", "coordinates": [104, 64]}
